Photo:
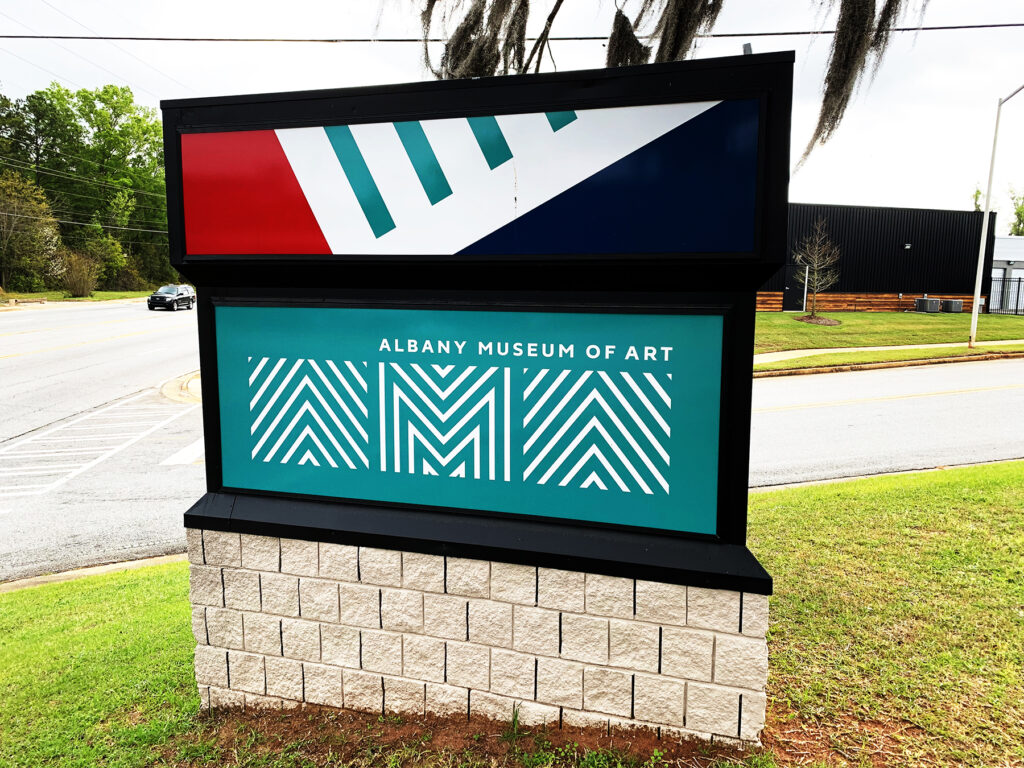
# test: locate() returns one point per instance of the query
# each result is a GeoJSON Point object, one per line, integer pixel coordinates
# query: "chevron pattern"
{"type": "Point", "coordinates": [309, 412]}
{"type": "Point", "coordinates": [446, 420]}
{"type": "Point", "coordinates": [597, 429]}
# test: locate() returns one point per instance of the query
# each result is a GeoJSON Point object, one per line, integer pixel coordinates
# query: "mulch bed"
{"type": "Point", "coordinates": [324, 736]}
{"type": "Point", "coordinates": [817, 320]}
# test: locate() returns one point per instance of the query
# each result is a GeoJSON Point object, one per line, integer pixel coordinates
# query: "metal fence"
{"type": "Point", "coordinates": [1007, 296]}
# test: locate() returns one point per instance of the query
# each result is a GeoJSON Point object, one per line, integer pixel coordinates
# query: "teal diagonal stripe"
{"type": "Point", "coordinates": [492, 142]}
{"type": "Point", "coordinates": [560, 119]}
{"type": "Point", "coordinates": [363, 185]}
{"type": "Point", "coordinates": [424, 161]}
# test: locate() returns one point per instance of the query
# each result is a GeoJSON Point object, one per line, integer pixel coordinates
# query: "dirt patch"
{"type": "Point", "coordinates": [319, 736]}
{"type": "Point", "coordinates": [879, 744]}
{"type": "Point", "coordinates": [817, 320]}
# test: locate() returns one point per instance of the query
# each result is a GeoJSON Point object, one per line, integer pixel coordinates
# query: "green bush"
{"type": "Point", "coordinates": [80, 274]}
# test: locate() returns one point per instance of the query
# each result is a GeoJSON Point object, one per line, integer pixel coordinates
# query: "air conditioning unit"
{"type": "Point", "coordinates": [952, 305]}
{"type": "Point", "coordinates": [926, 305]}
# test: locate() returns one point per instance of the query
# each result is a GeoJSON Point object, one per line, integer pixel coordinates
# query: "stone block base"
{"type": "Point", "coordinates": [281, 622]}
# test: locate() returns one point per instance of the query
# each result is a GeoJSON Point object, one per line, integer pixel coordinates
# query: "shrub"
{"type": "Point", "coordinates": [80, 273]}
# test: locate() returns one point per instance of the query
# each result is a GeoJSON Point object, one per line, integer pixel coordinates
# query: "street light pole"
{"type": "Point", "coordinates": [984, 224]}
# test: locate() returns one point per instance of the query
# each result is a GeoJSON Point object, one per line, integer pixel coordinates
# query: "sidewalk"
{"type": "Point", "coordinates": [790, 354]}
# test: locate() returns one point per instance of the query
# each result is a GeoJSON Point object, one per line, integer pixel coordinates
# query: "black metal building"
{"type": "Point", "coordinates": [891, 250]}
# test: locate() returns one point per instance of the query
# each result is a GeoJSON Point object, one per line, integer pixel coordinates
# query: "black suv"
{"type": "Point", "coordinates": [172, 297]}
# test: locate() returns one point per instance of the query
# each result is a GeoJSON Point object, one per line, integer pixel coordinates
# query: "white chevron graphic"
{"type": "Point", "coordinates": [544, 164]}
{"type": "Point", "coordinates": [454, 426]}
{"type": "Point", "coordinates": [298, 409]}
{"type": "Point", "coordinates": [597, 425]}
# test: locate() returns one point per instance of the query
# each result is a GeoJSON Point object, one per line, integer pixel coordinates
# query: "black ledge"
{"type": "Point", "coordinates": [527, 541]}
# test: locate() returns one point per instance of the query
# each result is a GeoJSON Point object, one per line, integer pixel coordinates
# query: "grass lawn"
{"type": "Point", "coordinates": [63, 296]}
{"type": "Point", "coordinates": [882, 356]}
{"type": "Point", "coordinates": [777, 331]}
{"type": "Point", "coordinates": [897, 639]}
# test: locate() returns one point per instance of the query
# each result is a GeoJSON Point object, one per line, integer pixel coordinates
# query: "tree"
{"type": "Point", "coordinates": [98, 157]}
{"type": "Point", "coordinates": [820, 256]}
{"type": "Point", "coordinates": [105, 252]}
{"type": "Point", "coordinates": [490, 37]}
{"type": "Point", "coordinates": [28, 236]}
{"type": "Point", "coordinates": [1017, 225]}
{"type": "Point", "coordinates": [976, 197]}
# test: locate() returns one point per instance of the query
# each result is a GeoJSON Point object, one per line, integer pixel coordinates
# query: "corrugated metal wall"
{"type": "Point", "coordinates": [942, 257]}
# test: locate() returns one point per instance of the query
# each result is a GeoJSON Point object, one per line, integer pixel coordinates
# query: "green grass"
{"type": "Point", "coordinates": [900, 600]}
{"type": "Point", "coordinates": [63, 296]}
{"type": "Point", "coordinates": [777, 331]}
{"type": "Point", "coordinates": [881, 356]}
{"type": "Point", "coordinates": [96, 671]}
{"type": "Point", "coordinates": [897, 628]}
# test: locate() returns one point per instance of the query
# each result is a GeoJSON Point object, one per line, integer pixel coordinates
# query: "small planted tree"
{"type": "Point", "coordinates": [820, 256]}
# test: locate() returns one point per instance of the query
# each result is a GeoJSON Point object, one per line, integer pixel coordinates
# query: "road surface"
{"type": "Point", "coordinates": [64, 358]}
{"type": "Point", "coordinates": [834, 425]}
{"type": "Point", "coordinates": [96, 465]}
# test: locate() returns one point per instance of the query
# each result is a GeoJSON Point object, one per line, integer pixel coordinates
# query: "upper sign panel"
{"type": "Point", "coordinates": [656, 179]}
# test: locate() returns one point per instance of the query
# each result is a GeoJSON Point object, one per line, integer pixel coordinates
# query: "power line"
{"type": "Point", "coordinates": [64, 154]}
{"type": "Point", "coordinates": [37, 66]}
{"type": "Point", "coordinates": [69, 212]}
{"type": "Point", "coordinates": [62, 192]}
{"type": "Point", "coordinates": [336, 40]}
{"type": "Point", "coordinates": [118, 47]}
{"type": "Point", "coordinates": [82, 223]}
{"type": "Point", "coordinates": [73, 177]}
{"type": "Point", "coordinates": [140, 222]}
{"type": "Point", "coordinates": [78, 55]}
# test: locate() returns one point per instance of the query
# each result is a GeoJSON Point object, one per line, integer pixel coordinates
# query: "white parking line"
{"type": "Point", "coordinates": [186, 455]}
{"type": "Point", "coordinates": [71, 459]}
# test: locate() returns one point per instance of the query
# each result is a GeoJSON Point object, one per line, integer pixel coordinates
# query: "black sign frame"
{"type": "Point", "coordinates": [689, 283]}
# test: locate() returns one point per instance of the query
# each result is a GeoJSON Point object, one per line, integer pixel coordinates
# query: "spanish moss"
{"type": "Point", "coordinates": [624, 49]}
{"type": "Point", "coordinates": [425, 21]}
{"type": "Point", "coordinates": [513, 48]}
{"type": "Point", "coordinates": [491, 36]}
{"type": "Point", "coordinates": [679, 23]}
{"type": "Point", "coordinates": [470, 51]}
{"type": "Point", "coordinates": [855, 30]}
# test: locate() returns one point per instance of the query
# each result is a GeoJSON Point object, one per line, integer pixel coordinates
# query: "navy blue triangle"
{"type": "Point", "coordinates": [692, 190]}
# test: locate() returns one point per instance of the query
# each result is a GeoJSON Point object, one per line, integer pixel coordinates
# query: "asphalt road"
{"type": "Point", "coordinates": [64, 358]}
{"type": "Point", "coordinates": [85, 434]}
{"type": "Point", "coordinates": [827, 426]}
{"type": "Point", "coordinates": [96, 465]}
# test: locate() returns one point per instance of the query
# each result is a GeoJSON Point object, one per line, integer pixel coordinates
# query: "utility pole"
{"type": "Point", "coordinates": [984, 224]}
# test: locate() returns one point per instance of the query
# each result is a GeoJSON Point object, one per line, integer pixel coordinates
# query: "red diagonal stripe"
{"type": "Point", "coordinates": [241, 197]}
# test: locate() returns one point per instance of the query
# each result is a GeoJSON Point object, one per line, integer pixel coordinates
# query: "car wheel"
{"type": "Point", "coordinates": [173, 306]}
{"type": "Point", "coordinates": [150, 307]}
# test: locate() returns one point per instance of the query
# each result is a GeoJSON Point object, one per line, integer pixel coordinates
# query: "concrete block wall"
{"type": "Point", "coordinates": [281, 622]}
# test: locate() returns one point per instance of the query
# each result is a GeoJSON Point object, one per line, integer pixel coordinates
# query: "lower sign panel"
{"type": "Point", "coordinates": [610, 418]}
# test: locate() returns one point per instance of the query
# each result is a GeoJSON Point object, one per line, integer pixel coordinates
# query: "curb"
{"type": "Point", "coordinates": [893, 473]}
{"type": "Point", "coordinates": [184, 389]}
{"type": "Point", "coordinates": [891, 364]}
{"type": "Point", "coordinates": [93, 570]}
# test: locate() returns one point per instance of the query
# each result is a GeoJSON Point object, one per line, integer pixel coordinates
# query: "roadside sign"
{"type": "Point", "coordinates": [508, 318]}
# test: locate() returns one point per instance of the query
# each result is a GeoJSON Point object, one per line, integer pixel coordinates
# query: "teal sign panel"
{"type": "Point", "coordinates": [610, 418]}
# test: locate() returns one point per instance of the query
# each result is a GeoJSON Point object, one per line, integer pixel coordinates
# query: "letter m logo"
{"type": "Point", "coordinates": [446, 420]}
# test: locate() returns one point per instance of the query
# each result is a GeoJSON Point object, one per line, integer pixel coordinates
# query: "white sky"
{"type": "Point", "coordinates": [919, 135]}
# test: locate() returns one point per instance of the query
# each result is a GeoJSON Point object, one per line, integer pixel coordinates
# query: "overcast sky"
{"type": "Point", "coordinates": [919, 135]}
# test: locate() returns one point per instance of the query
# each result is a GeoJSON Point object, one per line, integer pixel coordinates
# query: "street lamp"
{"type": "Point", "coordinates": [984, 223]}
